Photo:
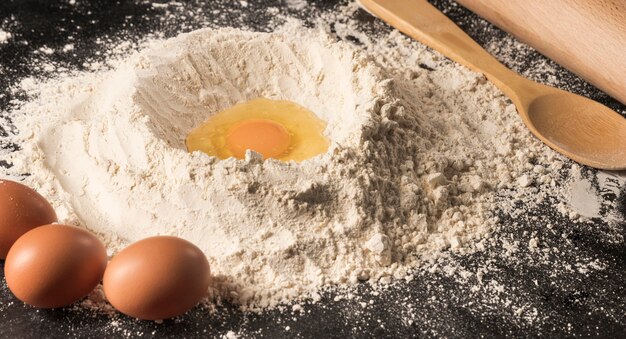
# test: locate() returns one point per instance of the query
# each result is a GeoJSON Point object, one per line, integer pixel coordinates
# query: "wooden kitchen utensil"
{"type": "Point", "coordinates": [579, 128]}
{"type": "Point", "coordinates": [586, 36]}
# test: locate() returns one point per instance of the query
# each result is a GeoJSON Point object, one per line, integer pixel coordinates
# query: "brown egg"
{"type": "Point", "coordinates": [157, 278]}
{"type": "Point", "coordinates": [54, 265]}
{"type": "Point", "coordinates": [21, 209]}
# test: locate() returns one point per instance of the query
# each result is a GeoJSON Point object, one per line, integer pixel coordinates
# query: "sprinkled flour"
{"type": "Point", "coordinates": [423, 150]}
{"type": "Point", "coordinates": [4, 37]}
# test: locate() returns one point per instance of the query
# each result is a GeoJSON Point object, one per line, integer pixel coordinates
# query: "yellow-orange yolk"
{"type": "Point", "coordinates": [266, 137]}
{"type": "Point", "coordinates": [277, 129]}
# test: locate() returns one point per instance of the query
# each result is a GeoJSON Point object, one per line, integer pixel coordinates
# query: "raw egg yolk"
{"type": "Point", "coordinates": [277, 129]}
{"type": "Point", "coordinates": [266, 137]}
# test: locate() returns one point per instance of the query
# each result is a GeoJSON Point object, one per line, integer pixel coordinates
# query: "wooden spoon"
{"type": "Point", "coordinates": [577, 127]}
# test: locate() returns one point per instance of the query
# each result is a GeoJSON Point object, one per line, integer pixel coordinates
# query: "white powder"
{"type": "Point", "coordinates": [68, 48]}
{"type": "Point", "coordinates": [417, 156]}
{"type": "Point", "coordinates": [586, 199]}
{"type": "Point", "coordinates": [4, 37]}
{"type": "Point", "coordinates": [296, 4]}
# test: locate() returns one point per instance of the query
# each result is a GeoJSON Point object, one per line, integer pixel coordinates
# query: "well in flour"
{"type": "Point", "coordinates": [277, 129]}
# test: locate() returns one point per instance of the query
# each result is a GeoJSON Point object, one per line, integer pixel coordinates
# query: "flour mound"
{"type": "Point", "coordinates": [410, 171]}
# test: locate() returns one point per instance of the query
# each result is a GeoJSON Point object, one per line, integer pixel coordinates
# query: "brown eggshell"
{"type": "Point", "coordinates": [55, 265]}
{"type": "Point", "coordinates": [21, 209]}
{"type": "Point", "coordinates": [157, 278]}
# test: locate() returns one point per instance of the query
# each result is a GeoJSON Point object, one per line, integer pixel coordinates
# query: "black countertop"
{"type": "Point", "coordinates": [527, 297]}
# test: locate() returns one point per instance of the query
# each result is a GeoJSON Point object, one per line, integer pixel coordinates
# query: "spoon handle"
{"type": "Point", "coordinates": [425, 23]}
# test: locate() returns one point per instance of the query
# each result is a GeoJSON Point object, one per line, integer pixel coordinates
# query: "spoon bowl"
{"type": "Point", "coordinates": [579, 128]}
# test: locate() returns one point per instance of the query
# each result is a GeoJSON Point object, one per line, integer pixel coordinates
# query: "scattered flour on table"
{"type": "Point", "coordinates": [4, 37]}
{"type": "Point", "coordinates": [296, 4]}
{"type": "Point", "coordinates": [420, 148]}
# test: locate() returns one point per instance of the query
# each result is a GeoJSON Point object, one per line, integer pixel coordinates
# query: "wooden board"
{"type": "Point", "coordinates": [586, 36]}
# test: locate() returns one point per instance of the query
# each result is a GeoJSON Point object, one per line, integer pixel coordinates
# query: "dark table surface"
{"type": "Point", "coordinates": [535, 301]}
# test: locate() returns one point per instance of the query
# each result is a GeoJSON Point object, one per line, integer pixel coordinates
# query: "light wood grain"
{"type": "Point", "coordinates": [579, 128]}
{"type": "Point", "coordinates": [586, 36]}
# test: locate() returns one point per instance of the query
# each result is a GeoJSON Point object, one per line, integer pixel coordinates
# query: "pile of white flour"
{"type": "Point", "coordinates": [417, 155]}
